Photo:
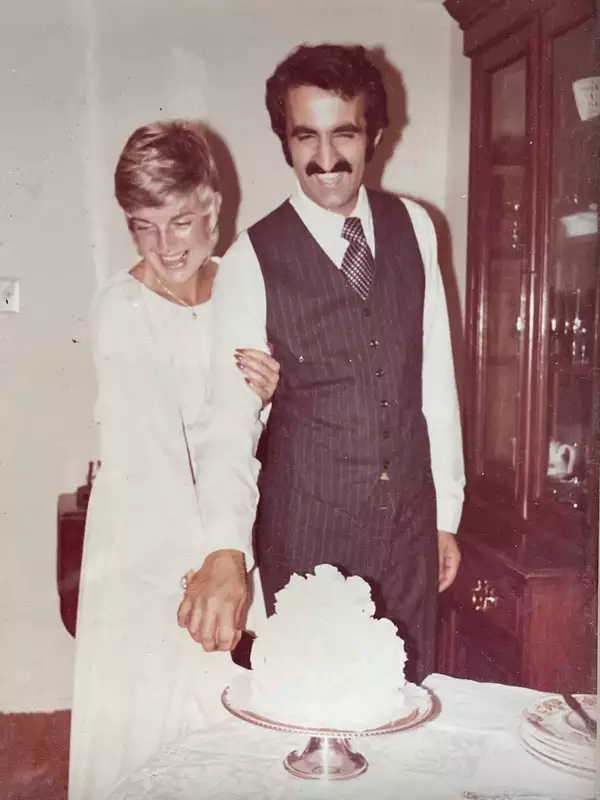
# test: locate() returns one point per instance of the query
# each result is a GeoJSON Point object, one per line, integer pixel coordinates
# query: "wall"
{"type": "Point", "coordinates": [456, 197]}
{"type": "Point", "coordinates": [46, 384]}
{"type": "Point", "coordinates": [216, 68]}
{"type": "Point", "coordinates": [76, 78]}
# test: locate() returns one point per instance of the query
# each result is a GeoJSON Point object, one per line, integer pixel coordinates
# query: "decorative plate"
{"type": "Point", "coordinates": [554, 720]}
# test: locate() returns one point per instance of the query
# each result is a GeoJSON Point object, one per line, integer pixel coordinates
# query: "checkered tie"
{"type": "Point", "coordinates": [358, 265]}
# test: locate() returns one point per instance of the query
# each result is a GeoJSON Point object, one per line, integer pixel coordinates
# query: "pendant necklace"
{"type": "Point", "coordinates": [178, 300]}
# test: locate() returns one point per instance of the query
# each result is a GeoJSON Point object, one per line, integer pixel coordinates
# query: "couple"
{"type": "Point", "coordinates": [363, 464]}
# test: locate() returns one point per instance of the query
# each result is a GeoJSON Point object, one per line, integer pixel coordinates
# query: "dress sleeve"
{"type": "Point", "coordinates": [146, 471]}
{"type": "Point", "coordinates": [227, 479]}
{"type": "Point", "coordinates": [440, 397]}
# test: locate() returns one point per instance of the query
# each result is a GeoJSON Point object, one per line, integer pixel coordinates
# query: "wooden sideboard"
{"type": "Point", "coordinates": [513, 616]}
{"type": "Point", "coordinates": [71, 513]}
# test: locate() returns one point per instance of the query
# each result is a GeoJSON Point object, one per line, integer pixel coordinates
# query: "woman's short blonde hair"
{"type": "Point", "coordinates": [163, 161]}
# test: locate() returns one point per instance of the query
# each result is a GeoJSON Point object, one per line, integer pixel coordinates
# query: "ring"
{"type": "Point", "coordinates": [183, 583]}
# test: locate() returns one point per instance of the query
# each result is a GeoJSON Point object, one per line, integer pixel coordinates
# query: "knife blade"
{"type": "Point", "coordinates": [576, 706]}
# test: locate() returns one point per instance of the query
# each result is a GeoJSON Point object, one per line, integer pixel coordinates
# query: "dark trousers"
{"type": "Point", "coordinates": [390, 544]}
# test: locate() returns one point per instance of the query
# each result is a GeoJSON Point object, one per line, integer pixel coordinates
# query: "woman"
{"type": "Point", "coordinates": [140, 680]}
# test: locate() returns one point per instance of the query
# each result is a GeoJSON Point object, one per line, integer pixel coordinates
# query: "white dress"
{"type": "Point", "coordinates": [140, 680]}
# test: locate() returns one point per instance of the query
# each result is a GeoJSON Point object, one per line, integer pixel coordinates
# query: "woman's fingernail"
{"type": "Point", "coordinates": [247, 379]}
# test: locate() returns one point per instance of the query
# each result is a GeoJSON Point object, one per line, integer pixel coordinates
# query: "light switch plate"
{"type": "Point", "coordinates": [10, 301]}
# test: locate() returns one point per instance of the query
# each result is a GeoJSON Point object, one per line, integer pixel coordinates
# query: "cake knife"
{"type": "Point", "coordinates": [576, 706]}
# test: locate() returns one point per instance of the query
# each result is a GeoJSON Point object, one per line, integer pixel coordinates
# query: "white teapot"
{"type": "Point", "coordinates": [562, 459]}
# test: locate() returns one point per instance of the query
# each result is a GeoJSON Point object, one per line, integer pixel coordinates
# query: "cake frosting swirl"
{"type": "Point", "coordinates": [323, 660]}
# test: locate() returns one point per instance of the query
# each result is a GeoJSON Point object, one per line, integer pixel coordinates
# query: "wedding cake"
{"type": "Point", "coordinates": [323, 661]}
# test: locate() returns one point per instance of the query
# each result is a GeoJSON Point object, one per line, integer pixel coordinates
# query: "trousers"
{"type": "Point", "coordinates": [390, 544]}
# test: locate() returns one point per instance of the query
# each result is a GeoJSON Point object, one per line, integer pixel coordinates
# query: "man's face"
{"type": "Point", "coordinates": [327, 139]}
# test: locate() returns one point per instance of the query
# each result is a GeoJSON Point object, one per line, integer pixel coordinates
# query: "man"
{"type": "Point", "coordinates": [364, 430]}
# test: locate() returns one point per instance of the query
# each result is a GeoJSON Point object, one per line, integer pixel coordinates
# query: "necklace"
{"type": "Point", "coordinates": [177, 299]}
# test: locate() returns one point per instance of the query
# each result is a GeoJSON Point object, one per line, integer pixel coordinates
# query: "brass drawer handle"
{"type": "Point", "coordinates": [484, 596]}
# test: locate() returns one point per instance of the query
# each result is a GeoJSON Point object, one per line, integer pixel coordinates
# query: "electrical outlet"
{"type": "Point", "coordinates": [10, 301]}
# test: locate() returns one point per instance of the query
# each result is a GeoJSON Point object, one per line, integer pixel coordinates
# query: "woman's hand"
{"type": "Point", "coordinates": [261, 372]}
{"type": "Point", "coordinates": [215, 599]}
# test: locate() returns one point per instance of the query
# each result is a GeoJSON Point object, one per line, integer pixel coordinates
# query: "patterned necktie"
{"type": "Point", "coordinates": [358, 265]}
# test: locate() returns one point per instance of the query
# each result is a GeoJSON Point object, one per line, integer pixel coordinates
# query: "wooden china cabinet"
{"type": "Point", "coordinates": [524, 607]}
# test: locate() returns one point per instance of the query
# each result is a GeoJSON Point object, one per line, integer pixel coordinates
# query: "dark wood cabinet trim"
{"type": "Point", "coordinates": [484, 21]}
{"type": "Point", "coordinates": [522, 44]}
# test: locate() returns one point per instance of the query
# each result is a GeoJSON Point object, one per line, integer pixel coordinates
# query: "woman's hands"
{"type": "Point", "coordinates": [215, 601]}
{"type": "Point", "coordinates": [261, 372]}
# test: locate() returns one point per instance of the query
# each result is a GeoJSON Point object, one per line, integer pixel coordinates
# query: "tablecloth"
{"type": "Point", "coordinates": [472, 746]}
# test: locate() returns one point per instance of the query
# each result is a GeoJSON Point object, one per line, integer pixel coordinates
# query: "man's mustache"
{"type": "Point", "coordinates": [340, 166]}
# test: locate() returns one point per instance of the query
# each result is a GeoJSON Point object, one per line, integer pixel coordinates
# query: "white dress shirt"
{"type": "Point", "coordinates": [228, 468]}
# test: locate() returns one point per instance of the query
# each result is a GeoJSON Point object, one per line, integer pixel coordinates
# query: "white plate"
{"type": "Point", "coordinates": [556, 735]}
{"type": "Point", "coordinates": [555, 748]}
{"type": "Point", "coordinates": [584, 751]}
{"type": "Point", "coordinates": [569, 768]}
{"type": "Point", "coordinates": [574, 760]}
{"type": "Point", "coordinates": [554, 720]}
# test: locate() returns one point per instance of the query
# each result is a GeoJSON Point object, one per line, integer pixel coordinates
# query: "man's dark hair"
{"type": "Point", "coordinates": [344, 70]}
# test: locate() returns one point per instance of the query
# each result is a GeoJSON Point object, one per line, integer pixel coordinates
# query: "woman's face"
{"type": "Point", "coordinates": [177, 238]}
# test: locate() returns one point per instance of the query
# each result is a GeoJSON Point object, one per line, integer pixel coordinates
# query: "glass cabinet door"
{"type": "Point", "coordinates": [505, 173]}
{"type": "Point", "coordinates": [572, 267]}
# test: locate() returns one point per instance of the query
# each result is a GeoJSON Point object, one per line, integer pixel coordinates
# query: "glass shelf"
{"type": "Point", "coordinates": [504, 293]}
{"type": "Point", "coordinates": [572, 276]}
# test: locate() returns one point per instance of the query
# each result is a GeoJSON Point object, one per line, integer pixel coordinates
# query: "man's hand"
{"type": "Point", "coordinates": [215, 599]}
{"type": "Point", "coordinates": [449, 559]}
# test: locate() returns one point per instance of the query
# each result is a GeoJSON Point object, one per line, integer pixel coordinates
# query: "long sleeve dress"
{"type": "Point", "coordinates": [140, 680]}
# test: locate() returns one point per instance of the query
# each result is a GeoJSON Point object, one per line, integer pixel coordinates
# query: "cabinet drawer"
{"type": "Point", "coordinates": [489, 590]}
{"type": "Point", "coordinates": [483, 652]}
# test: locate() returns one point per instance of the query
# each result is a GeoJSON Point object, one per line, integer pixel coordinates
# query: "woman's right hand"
{"type": "Point", "coordinates": [261, 372]}
{"type": "Point", "coordinates": [214, 601]}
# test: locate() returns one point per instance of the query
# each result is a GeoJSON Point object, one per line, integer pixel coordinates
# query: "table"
{"type": "Point", "coordinates": [472, 746]}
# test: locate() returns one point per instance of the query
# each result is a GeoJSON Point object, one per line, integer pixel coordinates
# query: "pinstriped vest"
{"type": "Point", "coordinates": [348, 405]}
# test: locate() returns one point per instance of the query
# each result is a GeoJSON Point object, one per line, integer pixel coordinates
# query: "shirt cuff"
{"type": "Point", "coordinates": [448, 516]}
{"type": "Point", "coordinates": [228, 538]}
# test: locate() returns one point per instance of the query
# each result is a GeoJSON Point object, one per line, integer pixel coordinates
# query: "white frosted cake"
{"type": "Point", "coordinates": [322, 660]}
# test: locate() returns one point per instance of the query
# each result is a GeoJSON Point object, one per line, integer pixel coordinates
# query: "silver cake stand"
{"type": "Point", "coordinates": [328, 754]}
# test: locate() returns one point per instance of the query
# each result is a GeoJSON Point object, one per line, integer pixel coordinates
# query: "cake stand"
{"type": "Point", "coordinates": [328, 754]}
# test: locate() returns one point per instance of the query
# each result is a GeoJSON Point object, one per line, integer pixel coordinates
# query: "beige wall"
{"type": "Point", "coordinates": [76, 76]}
{"type": "Point", "coordinates": [46, 383]}
{"type": "Point", "coordinates": [456, 197]}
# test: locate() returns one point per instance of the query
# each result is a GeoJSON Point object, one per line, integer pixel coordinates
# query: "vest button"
{"type": "Point", "coordinates": [379, 373]}
{"type": "Point", "coordinates": [386, 464]}
{"type": "Point", "coordinates": [384, 403]}
{"type": "Point", "coordinates": [373, 343]}
{"type": "Point", "coordinates": [386, 434]}
{"type": "Point", "coordinates": [366, 312]}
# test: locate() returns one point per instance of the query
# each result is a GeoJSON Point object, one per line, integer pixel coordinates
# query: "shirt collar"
{"type": "Point", "coordinates": [322, 219]}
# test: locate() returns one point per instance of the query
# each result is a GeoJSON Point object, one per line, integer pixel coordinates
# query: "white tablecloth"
{"type": "Point", "coordinates": [472, 746]}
